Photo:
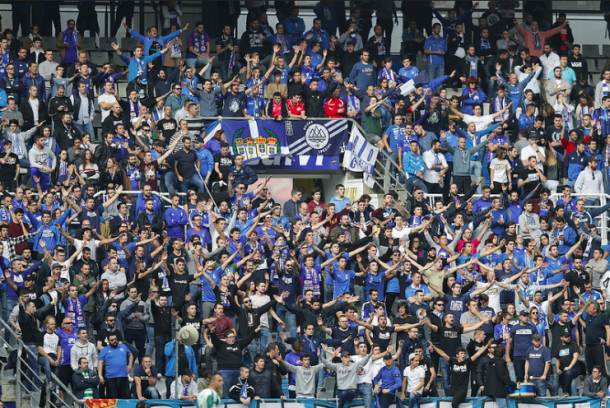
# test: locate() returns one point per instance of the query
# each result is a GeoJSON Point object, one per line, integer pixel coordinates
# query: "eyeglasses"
{"type": "Point", "coordinates": [534, 313]}
{"type": "Point", "coordinates": [67, 322]}
{"type": "Point", "coordinates": [155, 291]}
{"type": "Point", "coordinates": [247, 302]}
{"type": "Point", "coordinates": [192, 194]}
{"type": "Point", "coordinates": [264, 189]}
{"type": "Point", "coordinates": [440, 304]}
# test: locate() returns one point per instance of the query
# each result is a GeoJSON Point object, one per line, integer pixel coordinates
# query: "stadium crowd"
{"type": "Point", "coordinates": [491, 292]}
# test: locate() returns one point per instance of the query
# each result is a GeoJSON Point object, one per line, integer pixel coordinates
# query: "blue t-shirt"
{"type": "Point", "coordinates": [342, 281]}
{"type": "Point", "coordinates": [375, 282]}
{"type": "Point", "coordinates": [456, 305]}
{"type": "Point", "coordinates": [538, 359]}
{"type": "Point", "coordinates": [522, 338]}
{"type": "Point", "coordinates": [139, 372]}
{"type": "Point", "coordinates": [115, 360]}
{"type": "Point", "coordinates": [208, 294]}
{"type": "Point", "coordinates": [67, 341]}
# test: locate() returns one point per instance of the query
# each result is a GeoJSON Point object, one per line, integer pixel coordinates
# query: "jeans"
{"type": "Point", "coordinates": [193, 62]}
{"type": "Point", "coordinates": [258, 345]}
{"type": "Point", "coordinates": [195, 180]}
{"type": "Point", "coordinates": [477, 168]}
{"type": "Point", "coordinates": [386, 116]}
{"type": "Point", "coordinates": [413, 398]}
{"type": "Point", "coordinates": [446, 370]}
{"type": "Point", "coordinates": [501, 402]}
{"type": "Point", "coordinates": [434, 70]}
{"type": "Point", "coordinates": [413, 182]}
{"type": "Point", "coordinates": [25, 164]}
{"type": "Point", "coordinates": [209, 362]}
{"type": "Point", "coordinates": [519, 364]}
{"type": "Point", "coordinates": [168, 182]}
{"type": "Point", "coordinates": [150, 340]}
{"type": "Point", "coordinates": [87, 127]}
{"type": "Point", "coordinates": [137, 336]}
{"type": "Point", "coordinates": [10, 305]}
{"type": "Point", "coordinates": [160, 360]}
{"type": "Point", "coordinates": [34, 371]}
{"type": "Point", "coordinates": [345, 396]}
{"type": "Point", "coordinates": [228, 377]}
{"type": "Point", "coordinates": [386, 399]}
{"type": "Point", "coordinates": [224, 69]}
{"type": "Point", "coordinates": [45, 363]}
{"type": "Point", "coordinates": [148, 393]}
{"type": "Point", "coordinates": [541, 387]}
{"type": "Point", "coordinates": [366, 392]}
{"type": "Point", "coordinates": [288, 318]}
{"type": "Point", "coordinates": [568, 381]}
{"type": "Point", "coordinates": [44, 178]}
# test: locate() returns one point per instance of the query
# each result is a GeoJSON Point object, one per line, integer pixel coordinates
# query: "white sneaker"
{"type": "Point", "coordinates": [130, 378]}
{"type": "Point", "coordinates": [159, 376]}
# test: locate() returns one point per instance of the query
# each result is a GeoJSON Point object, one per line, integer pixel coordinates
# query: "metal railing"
{"type": "Point", "coordinates": [53, 399]}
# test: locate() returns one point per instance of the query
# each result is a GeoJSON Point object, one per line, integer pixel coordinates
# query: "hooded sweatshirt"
{"type": "Point", "coordinates": [306, 379]}
{"type": "Point", "coordinates": [87, 350]}
{"type": "Point", "coordinates": [347, 376]}
{"type": "Point", "coordinates": [116, 280]}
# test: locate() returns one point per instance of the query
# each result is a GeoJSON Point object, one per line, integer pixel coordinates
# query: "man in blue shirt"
{"type": "Point", "coordinates": [435, 48]}
{"type": "Point", "coordinates": [363, 73]}
{"type": "Point", "coordinates": [317, 34]}
{"type": "Point", "coordinates": [520, 339]}
{"type": "Point", "coordinates": [340, 201]}
{"type": "Point", "coordinates": [414, 168]}
{"type": "Point", "coordinates": [138, 64]}
{"type": "Point", "coordinates": [113, 358]}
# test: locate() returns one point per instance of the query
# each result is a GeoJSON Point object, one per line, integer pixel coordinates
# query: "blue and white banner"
{"type": "Point", "coordinates": [316, 138]}
{"type": "Point", "coordinates": [256, 140]}
{"type": "Point", "coordinates": [361, 156]}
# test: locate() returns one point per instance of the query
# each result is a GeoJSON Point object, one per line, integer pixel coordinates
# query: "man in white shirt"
{"type": "Point", "coordinates": [436, 167]}
{"type": "Point", "coordinates": [590, 181]}
{"type": "Point", "coordinates": [413, 381]}
{"type": "Point", "coordinates": [533, 150]}
{"type": "Point", "coordinates": [107, 99]}
{"type": "Point", "coordinates": [533, 83]}
{"type": "Point", "coordinates": [549, 60]}
{"type": "Point", "coordinates": [187, 387]}
{"type": "Point", "coordinates": [602, 88]}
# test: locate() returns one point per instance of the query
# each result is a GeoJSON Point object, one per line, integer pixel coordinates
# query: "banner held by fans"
{"type": "Point", "coordinates": [361, 156]}
{"type": "Point", "coordinates": [256, 139]}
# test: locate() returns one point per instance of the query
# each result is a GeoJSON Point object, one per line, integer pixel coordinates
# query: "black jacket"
{"type": "Point", "coordinates": [278, 372]}
{"type": "Point", "coordinates": [264, 385]}
{"type": "Point", "coordinates": [157, 222]}
{"type": "Point", "coordinates": [314, 101]}
{"type": "Point", "coordinates": [463, 67]}
{"type": "Point", "coordinates": [102, 153]}
{"type": "Point", "coordinates": [269, 110]}
{"type": "Point", "coordinates": [65, 137]}
{"type": "Point", "coordinates": [245, 316]}
{"type": "Point", "coordinates": [296, 88]}
{"type": "Point", "coordinates": [55, 102]}
{"type": "Point", "coordinates": [109, 123]}
{"type": "Point", "coordinates": [229, 356]}
{"type": "Point", "coordinates": [28, 114]}
{"type": "Point", "coordinates": [235, 390]}
{"type": "Point", "coordinates": [163, 319]}
{"type": "Point", "coordinates": [11, 86]}
{"type": "Point", "coordinates": [497, 378]}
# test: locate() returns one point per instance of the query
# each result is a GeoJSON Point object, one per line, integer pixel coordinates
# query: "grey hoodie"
{"type": "Point", "coordinates": [116, 280]}
{"type": "Point", "coordinates": [347, 376]}
{"type": "Point", "coordinates": [305, 379]}
{"type": "Point", "coordinates": [130, 322]}
{"type": "Point", "coordinates": [83, 350]}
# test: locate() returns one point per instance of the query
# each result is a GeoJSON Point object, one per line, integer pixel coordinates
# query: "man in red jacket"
{"type": "Point", "coordinates": [296, 107]}
{"type": "Point", "coordinates": [334, 106]}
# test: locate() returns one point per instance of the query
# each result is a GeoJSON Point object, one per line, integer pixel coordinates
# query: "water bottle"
{"type": "Point", "coordinates": [609, 390]}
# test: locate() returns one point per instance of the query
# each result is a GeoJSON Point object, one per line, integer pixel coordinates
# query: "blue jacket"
{"type": "Point", "coordinates": [80, 383]}
{"type": "Point", "coordinates": [362, 75]}
{"type": "Point", "coordinates": [515, 92]}
{"type": "Point", "coordinates": [325, 38]}
{"type": "Point", "coordinates": [147, 42]}
{"type": "Point", "coordinates": [478, 96]}
{"type": "Point", "coordinates": [464, 133]}
{"type": "Point", "coordinates": [525, 121]}
{"type": "Point", "coordinates": [294, 28]}
{"type": "Point", "coordinates": [27, 81]}
{"type": "Point", "coordinates": [140, 206]}
{"type": "Point", "coordinates": [170, 353]}
{"type": "Point", "coordinates": [50, 242]}
{"type": "Point", "coordinates": [134, 66]}
{"type": "Point", "coordinates": [569, 239]}
{"type": "Point", "coordinates": [412, 163]}
{"type": "Point", "coordinates": [496, 227]}
{"type": "Point", "coordinates": [206, 161]}
{"type": "Point", "coordinates": [175, 220]}
{"type": "Point", "coordinates": [315, 341]}
{"type": "Point", "coordinates": [574, 164]}
{"type": "Point", "coordinates": [390, 378]}
{"type": "Point", "coordinates": [408, 347]}
{"type": "Point", "coordinates": [600, 163]}
{"type": "Point", "coordinates": [481, 204]}
{"type": "Point", "coordinates": [3, 99]}
{"type": "Point", "coordinates": [244, 175]}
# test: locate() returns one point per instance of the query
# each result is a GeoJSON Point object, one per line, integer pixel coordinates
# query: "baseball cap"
{"type": "Point", "coordinates": [592, 159]}
{"type": "Point", "coordinates": [412, 356]}
{"type": "Point", "coordinates": [345, 353]}
{"type": "Point", "coordinates": [523, 313]}
{"type": "Point", "coordinates": [198, 140]}
{"type": "Point", "coordinates": [55, 265]}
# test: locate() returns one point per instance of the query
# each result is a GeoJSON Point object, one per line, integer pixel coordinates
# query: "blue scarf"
{"type": "Point", "coordinates": [537, 42]}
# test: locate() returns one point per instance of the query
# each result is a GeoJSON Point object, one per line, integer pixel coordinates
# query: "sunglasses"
{"type": "Point", "coordinates": [247, 302]}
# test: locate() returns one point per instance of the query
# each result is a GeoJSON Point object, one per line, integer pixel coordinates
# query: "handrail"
{"type": "Point", "coordinates": [21, 346]}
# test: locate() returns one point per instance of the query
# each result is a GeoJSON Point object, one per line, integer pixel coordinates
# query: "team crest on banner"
{"type": "Point", "coordinates": [316, 137]}
{"type": "Point", "coordinates": [256, 139]}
